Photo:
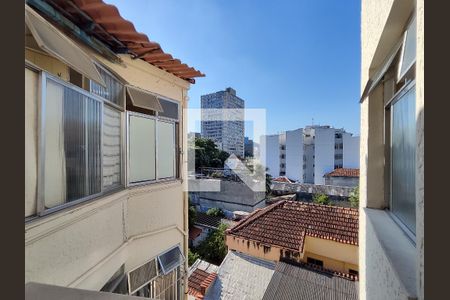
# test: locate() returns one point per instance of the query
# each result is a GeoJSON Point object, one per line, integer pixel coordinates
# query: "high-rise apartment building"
{"type": "Point", "coordinates": [223, 120]}
{"type": "Point", "coordinates": [307, 154]}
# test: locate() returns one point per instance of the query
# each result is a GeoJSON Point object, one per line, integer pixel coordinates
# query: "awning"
{"type": "Point", "coordinates": [143, 99]}
{"type": "Point", "coordinates": [375, 79]}
{"type": "Point", "coordinates": [54, 42]}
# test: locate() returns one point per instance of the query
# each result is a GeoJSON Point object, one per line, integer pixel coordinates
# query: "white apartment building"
{"type": "Point", "coordinates": [105, 143]}
{"type": "Point", "coordinates": [307, 154]}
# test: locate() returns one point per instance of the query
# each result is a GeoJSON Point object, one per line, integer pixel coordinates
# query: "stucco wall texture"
{"type": "Point", "coordinates": [382, 23]}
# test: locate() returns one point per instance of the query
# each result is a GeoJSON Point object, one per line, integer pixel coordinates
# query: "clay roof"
{"type": "Point", "coordinates": [286, 223]}
{"type": "Point", "coordinates": [194, 232]}
{"type": "Point", "coordinates": [121, 36]}
{"type": "Point", "coordinates": [199, 281]}
{"type": "Point", "coordinates": [343, 172]}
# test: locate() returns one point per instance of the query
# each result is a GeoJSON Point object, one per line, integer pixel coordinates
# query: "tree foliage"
{"type": "Point", "coordinates": [354, 197]}
{"type": "Point", "coordinates": [208, 155]}
{"type": "Point", "coordinates": [216, 212]}
{"type": "Point", "coordinates": [213, 249]}
{"type": "Point", "coordinates": [321, 199]}
{"type": "Point", "coordinates": [192, 257]}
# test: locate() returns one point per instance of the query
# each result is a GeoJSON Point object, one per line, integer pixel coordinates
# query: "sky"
{"type": "Point", "coordinates": [298, 59]}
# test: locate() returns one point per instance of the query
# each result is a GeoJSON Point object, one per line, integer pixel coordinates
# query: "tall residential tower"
{"type": "Point", "coordinates": [223, 106]}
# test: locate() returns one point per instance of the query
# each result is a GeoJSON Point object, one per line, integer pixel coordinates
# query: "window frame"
{"type": "Point", "coordinates": [177, 152]}
{"type": "Point", "coordinates": [388, 106]}
{"type": "Point", "coordinates": [400, 74]}
{"type": "Point", "coordinates": [112, 104]}
{"type": "Point", "coordinates": [40, 198]}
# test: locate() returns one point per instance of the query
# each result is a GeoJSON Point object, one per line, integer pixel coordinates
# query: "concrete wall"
{"type": "Point", "coordinates": [291, 188]}
{"type": "Point", "coordinates": [324, 153]}
{"type": "Point", "coordinates": [391, 267]}
{"type": "Point", "coordinates": [342, 181]}
{"type": "Point", "coordinates": [270, 153]}
{"type": "Point", "coordinates": [351, 151]}
{"type": "Point", "coordinates": [232, 196]}
{"type": "Point", "coordinates": [84, 245]}
{"type": "Point", "coordinates": [294, 154]}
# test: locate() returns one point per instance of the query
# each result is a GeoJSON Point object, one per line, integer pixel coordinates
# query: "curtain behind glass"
{"type": "Point", "coordinates": [111, 148]}
{"type": "Point", "coordinates": [72, 147]}
{"type": "Point", "coordinates": [54, 162]}
{"type": "Point", "coordinates": [142, 149]}
{"type": "Point", "coordinates": [403, 159]}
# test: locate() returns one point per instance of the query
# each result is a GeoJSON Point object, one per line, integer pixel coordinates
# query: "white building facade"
{"type": "Point", "coordinates": [307, 154]}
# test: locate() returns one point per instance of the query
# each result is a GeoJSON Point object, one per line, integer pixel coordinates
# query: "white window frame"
{"type": "Point", "coordinates": [40, 198]}
{"type": "Point", "coordinates": [157, 120]}
{"type": "Point", "coordinates": [401, 74]}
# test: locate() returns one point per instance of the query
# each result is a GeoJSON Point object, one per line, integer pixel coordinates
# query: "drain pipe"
{"type": "Point", "coordinates": [184, 183]}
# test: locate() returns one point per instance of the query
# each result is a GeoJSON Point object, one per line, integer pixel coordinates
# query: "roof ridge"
{"type": "Point", "coordinates": [254, 216]}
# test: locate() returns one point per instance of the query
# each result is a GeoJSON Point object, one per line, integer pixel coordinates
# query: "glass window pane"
{"type": "Point", "coordinates": [111, 147]}
{"type": "Point", "coordinates": [403, 159]}
{"type": "Point", "coordinates": [72, 145]}
{"type": "Point", "coordinates": [170, 260]}
{"type": "Point", "coordinates": [142, 149]}
{"type": "Point", "coordinates": [166, 150]}
{"type": "Point", "coordinates": [409, 49]}
{"type": "Point", "coordinates": [113, 90]}
{"type": "Point", "coordinates": [170, 109]}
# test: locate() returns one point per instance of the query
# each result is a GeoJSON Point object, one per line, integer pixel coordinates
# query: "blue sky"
{"type": "Point", "coordinates": [297, 59]}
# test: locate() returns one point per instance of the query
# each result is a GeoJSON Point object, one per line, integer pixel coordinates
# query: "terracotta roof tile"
{"type": "Point", "coordinates": [343, 172]}
{"type": "Point", "coordinates": [110, 27]}
{"type": "Point", "coordinates": [194, 232]}
{"type": "Point", "coordinates": [282, 179]}
{"type": "Point", "coordinates": [286, 223]}
{"type": "Point", "coordinates": [198, 283]}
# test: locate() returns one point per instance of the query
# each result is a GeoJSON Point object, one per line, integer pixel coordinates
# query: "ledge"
{"type": "Point", "coordinates": [397, 247]}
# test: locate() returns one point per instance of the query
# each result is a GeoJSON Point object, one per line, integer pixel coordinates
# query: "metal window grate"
{"type": "Point", "coordinates": [141, 276]}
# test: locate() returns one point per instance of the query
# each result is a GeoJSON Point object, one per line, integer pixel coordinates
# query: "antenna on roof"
{"type": "Point", "coordinates": [312, 122]}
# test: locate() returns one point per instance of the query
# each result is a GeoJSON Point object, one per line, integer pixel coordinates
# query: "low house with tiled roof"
{"type": "Point", "coordinates": [342, 177]}
{"type": "Point", "coordinates": [201, 276]}
{"type": "Point", "coordinates": [301, 232]}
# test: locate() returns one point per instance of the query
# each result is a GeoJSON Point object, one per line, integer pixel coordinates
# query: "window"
{"type": "Point", "coordinates": [161, 277]}
{"type": "Point", "coordinates": [408, 52]}
{"type": "Point", "coordinates": [114, 90]}
{"type": "Point", "coordinates": [80, 138]}
{"type": "Point", "coordinates": [403, 157]}
{"type": "Point", "coordinates": [153, 147]}
{"type": "Point", "coordinates": [314, 261]}
{"type": "Point", "coordinates": [117, 283]}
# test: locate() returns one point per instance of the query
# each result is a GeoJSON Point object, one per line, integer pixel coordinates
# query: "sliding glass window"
{"type": "Point", "coordinates": [80, 145]}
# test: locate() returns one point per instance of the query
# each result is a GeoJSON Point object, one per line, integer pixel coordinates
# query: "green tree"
{"type": "Point", "coordinates": [192, 257]}
{"type": "Point", "coordinates": [213, 249]}
{"type": "Point", "coordinates": [208, 155]}
{"type": "Point", "coordinates": [354, 197]}
{"type": "Point", "coordinates": [216, 212]}
{"type": "Point", "coordinates": [321, 199]}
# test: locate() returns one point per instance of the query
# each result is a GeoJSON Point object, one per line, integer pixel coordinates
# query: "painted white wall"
{"type": "Point", "coordinates": [351, 151]}
{"type": "Point", "coordinates": [324, 153]}
{"type": "Point", "coordinates": [270, 153]}
{"type": "Point", "coordinates": [294, 154]}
